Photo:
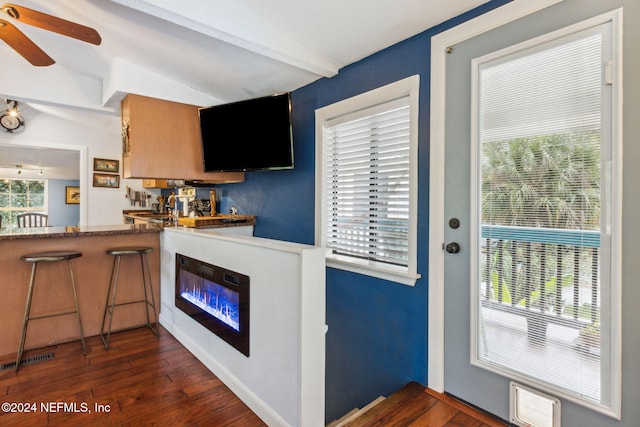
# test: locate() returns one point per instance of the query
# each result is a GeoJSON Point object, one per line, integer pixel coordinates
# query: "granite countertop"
{"type": "Point", "coordinates": [216, 221]}
{"type": "Point", "coordinates": [13, 233]}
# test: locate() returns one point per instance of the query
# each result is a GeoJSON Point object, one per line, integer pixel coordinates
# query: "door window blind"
{"type": "Point", "coordinates": [540, 130]}
{"type": "Point", "coordinates": [366, 162]}
{"type": "Point", "coordinates": [544, 134]}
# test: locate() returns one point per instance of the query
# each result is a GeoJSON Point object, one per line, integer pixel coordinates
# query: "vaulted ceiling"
{"type": "Point", "coordinates": [201, 52]}
{"type": "Point", "coordinates": [206, 52]}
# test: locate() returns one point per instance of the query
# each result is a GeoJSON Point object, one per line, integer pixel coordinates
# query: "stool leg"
{"type": "Point", "coordinates": [75, 298]}
{"type": "Point", "coordinates": [27, 313]}
{"type": "Point", "coordinates": [144, 261]}
{"type": "Point", "coordinates": [113, 282]}
{"type": "Point", "coordinates": [106, 302]}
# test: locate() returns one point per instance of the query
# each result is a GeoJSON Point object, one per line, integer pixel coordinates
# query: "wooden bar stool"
{"type": "Point", "coordinates": [118, 253]}
{"type": "Point", "coordinates": [48, 257]}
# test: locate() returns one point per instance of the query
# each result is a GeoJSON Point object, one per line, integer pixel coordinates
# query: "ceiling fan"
{"type": "Point", "coordinates": [27, 48]}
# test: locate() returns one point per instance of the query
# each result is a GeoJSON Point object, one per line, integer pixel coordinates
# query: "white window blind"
{"type": "Point", "coordinates": [543, 253]}
{"type": "Point", "coordinates": [367, 158]}
{"type": "Point", "coordinates": [552, 91]}
{"type": "Point", "coordinates": [540, 122]}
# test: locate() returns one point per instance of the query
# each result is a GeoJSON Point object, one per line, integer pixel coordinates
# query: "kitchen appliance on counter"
{"type": "Point", "coordinates": [199, 207]}
{"type": "Point", "coordinates": [186, 195]}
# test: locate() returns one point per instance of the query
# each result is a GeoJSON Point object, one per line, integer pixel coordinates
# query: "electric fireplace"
{"type": "Point", "coordinates": [215, 297]}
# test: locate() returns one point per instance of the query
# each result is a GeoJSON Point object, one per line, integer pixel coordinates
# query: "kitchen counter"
{"type": "Point", "coordinates": [13, 233]}
{"type": "Point", "coordinates": [220, 220]}
{"type": "Point", "coordinates": [91, 271]}
{"type": "Point", "coordinates": [146, 217]}
{"type": "Point", "coordinates": [216, 221]}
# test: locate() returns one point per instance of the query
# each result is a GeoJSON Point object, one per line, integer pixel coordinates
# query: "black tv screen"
{"type": "Point", "coordinates": [248, 135]}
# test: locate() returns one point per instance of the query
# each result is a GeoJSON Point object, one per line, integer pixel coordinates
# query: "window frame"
{"type": "Point", "coordinates": [42, 209]}
{"type": "Point", "coordinates": [408, 87]}
{"type": "Point", "coordinates": [611, 233]}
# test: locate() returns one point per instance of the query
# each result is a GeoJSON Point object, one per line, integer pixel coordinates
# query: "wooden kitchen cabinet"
{"type": "Point", "coordinates": [155, 183]}
{"type": "Point", "coordinates": [161, 140]}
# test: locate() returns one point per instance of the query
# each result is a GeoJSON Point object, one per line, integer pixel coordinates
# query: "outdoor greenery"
{"type": "Point", "coordinates": [19, 196]}
{"type": "Point", "coordinates": [550, 181]}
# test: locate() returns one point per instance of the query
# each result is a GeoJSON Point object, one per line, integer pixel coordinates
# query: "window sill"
{"type": "Point", "coordinates": [374, 269]}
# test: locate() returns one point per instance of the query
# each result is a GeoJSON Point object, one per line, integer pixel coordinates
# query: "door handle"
{"type": "Point", "coordinates": [452, 248]}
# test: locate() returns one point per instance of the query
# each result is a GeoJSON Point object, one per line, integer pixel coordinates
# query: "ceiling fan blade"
{"type": "Point", "coordinates": [23, 45]}
{"type": "Point", "coordinates": [52, 23]}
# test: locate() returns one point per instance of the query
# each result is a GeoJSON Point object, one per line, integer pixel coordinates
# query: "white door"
{"type": "Point", "coordinates": [530, 157]}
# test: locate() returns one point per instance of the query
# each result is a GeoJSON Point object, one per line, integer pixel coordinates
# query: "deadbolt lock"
{"type": "Point", "coordinates": [452, 248]}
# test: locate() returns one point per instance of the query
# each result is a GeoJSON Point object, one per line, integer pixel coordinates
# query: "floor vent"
{"type": "Point", "coordinates": [28, 361]}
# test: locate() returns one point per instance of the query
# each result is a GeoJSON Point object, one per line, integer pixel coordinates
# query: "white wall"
{"type": "Point", "coordinates": [282, 380]}
{"type": "Point", "coordinates": [94, 135]}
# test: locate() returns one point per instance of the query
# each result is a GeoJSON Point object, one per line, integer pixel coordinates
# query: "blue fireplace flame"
{"type": "Point", "coordinates": [217, 300]}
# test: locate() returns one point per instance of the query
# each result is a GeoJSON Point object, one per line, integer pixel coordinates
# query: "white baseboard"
{"type": "Point", "coordinates": [257, 405]}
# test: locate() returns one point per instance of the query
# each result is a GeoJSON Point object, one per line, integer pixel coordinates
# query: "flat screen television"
{"type": "Point", "coordinates": [248, 135]}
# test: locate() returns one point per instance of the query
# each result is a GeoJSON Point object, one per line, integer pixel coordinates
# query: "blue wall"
{"type": "Point", "coordinates": [60, 213]}
{"type": "Point", "coordinates": [377, 338]}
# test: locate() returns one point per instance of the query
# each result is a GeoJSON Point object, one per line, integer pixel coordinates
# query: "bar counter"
{"type": "Point", "coordinates": [13, 233]}
{"type": "Point", "coordinates": [52, 292]}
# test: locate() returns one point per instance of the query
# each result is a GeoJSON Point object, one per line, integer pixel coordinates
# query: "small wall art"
{"type": "Point", "coordinates": [106, 180]}
{"type": "Point", "coordinates": [106, 165]}
{"type": "Point", "coordinates": [72, 195]}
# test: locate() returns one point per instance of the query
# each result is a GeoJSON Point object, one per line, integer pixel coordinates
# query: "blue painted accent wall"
{"type": "Point", "coordinates": [283, 201]}
{"type": "Point", "coordinates": [377, 337]}
{"type": "Point", "coordinates": [60, 213]}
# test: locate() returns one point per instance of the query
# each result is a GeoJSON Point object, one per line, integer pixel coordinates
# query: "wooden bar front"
{"type": "Point", "coordinates": [53, 294]}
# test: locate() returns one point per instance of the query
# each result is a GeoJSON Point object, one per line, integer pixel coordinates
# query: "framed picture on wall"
{"type": "Point", "coordinates": [72, 195]}
{"type": "Point", "coordinates": [106, 180]}
{"type": "Point", "coordinates": [106, 165]}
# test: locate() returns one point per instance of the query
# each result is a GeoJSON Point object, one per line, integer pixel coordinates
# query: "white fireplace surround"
{"type": "Point", "coordinates": [283, 379]}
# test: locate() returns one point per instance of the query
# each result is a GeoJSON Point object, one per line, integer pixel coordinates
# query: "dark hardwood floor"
{"type": "Point", "coordinates": [144, 381]}
{"type": "Point", "coordinates": [139, 381]}
{"type": "Point", "coordinates": [416, 406]}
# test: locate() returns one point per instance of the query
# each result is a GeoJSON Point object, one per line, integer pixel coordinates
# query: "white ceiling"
{"type": "Point", "coordinates": [54, 163]}
{"type": "Point", "coordinates": [205, 52]}
{"type": "Point", "coordinates": [212, 50]}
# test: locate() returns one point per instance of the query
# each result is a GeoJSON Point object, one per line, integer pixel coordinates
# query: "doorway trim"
{"type": "Point", "coordinates": [82, 168]}
{"type": "Point", "coordinates": [439, 44]}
